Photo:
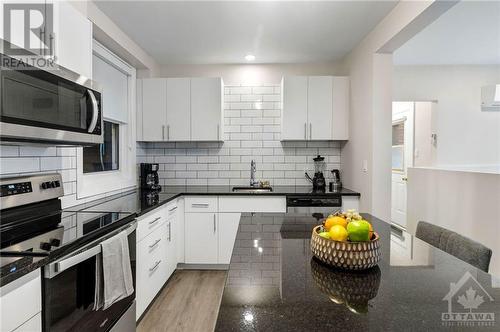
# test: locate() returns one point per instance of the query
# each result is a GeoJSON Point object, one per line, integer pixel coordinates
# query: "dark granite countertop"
{"type": "Point", "coordinates": [274, 284]}
{"type": "Point", "coordinates": [133, 201]}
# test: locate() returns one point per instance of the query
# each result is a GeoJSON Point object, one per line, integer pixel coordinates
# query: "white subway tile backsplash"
{"type": "Point", "coordinates": [9, 151]}
{"type": "Point", "coordinates": [252, 132]}
{"type": "Point", "coordinates": [19, 165]}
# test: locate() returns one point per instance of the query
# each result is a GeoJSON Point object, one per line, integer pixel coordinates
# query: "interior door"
{"type": "Point", "coordinates": [294, 114]}
{"type": "Point", "coordinates": [178, 109]}
{"type": "Point", "coordinates": [319, 107]}
{"type": "Point", "coordinates": [402, 158]}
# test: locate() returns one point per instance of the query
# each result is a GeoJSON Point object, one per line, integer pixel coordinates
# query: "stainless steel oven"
{"type": "Point", "coordinates": [56, 106]}
{"type": "Point", "coordinates": [69, 288]}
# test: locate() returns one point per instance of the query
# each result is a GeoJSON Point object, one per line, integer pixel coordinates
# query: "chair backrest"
{"type": "Point", "coordinates": [455, 244]}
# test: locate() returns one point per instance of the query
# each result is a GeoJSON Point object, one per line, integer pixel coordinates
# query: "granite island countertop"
{"type": "Point", "coordinates": [274, 284]}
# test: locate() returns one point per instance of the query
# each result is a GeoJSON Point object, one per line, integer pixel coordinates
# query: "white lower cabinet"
{"type": "Point", "coordinates": [228, 227]}
{"type": "Point", "coordinates": [20, 303]}
{"type": "Point", "coordinates": [201, 238]}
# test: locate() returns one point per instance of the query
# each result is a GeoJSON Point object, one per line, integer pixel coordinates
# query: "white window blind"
{"type": "Point", "coordinates": [114, 89]}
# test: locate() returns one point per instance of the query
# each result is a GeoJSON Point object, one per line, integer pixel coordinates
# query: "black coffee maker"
{"type": "Point", "coordinates": [149, 176]}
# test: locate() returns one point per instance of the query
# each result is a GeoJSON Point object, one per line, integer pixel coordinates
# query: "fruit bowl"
{"type": "Point", "coordinates": [345, 254]}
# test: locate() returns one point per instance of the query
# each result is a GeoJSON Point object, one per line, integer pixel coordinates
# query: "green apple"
{"type": "Point", "coordinates": [358, 231]}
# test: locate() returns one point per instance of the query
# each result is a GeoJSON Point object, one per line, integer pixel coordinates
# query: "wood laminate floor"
{"type": "Point", "coordinates": [189, 302]}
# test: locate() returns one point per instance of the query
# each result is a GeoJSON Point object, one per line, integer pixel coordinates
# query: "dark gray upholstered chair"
{"type": "Point", "coordinates": [455, 244]}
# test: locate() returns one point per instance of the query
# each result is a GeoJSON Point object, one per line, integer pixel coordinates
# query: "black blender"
{"type": "Point", "coordinates": [318, 181]}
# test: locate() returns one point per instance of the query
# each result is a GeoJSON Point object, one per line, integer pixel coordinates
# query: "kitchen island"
{"type": "Point", "coordinates": [274, 284]}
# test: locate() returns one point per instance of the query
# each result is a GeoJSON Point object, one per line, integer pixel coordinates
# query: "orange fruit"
{"type": "Point", "coordinates": [336, 220]}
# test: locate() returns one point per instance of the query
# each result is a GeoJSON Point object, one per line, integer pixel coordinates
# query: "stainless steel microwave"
{"type": "Point", "coordinates": [48, 107]}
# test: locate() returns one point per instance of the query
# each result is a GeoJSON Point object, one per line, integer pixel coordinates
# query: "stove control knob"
{"type": "Point", "coordinates": [45, 246]}
{"type": "Point", "coordinates": [44, 185]}
{"type": "Point", "coordinates": [55, 242]}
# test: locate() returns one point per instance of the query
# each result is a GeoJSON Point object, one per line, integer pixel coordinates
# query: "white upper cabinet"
{"type": "Point", "coordinates": [72, 39]}
{"type": "Point", "coordinates": [341, 107]}
{"type": "Point", "coordinates": [154, 109]}
{"type": "Point", "coordinates": [294, 108]}
{"type": "Point", "coordinates": [315, 108]}
{"type": "Point", "coordinates": [178, 109]}
{"type": "Point", "coordinates": [206, 109]}
{"type": "Point", "coordinates": [319, 107]}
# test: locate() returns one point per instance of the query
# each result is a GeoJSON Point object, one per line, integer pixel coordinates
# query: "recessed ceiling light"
{"type": "Point", "coordinates": [249, 57]}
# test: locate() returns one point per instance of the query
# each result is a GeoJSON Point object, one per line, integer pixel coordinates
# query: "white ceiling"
{"type": "Point", "coordinates": [469, 33]}
{"type": "Point", "coordinates": [185, 32]}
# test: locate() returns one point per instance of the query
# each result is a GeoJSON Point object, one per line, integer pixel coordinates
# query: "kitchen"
{"type": "Point", "coordinates": [174, 185]}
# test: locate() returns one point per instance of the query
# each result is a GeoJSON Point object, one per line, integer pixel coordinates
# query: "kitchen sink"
{"type": "Point", "coordinates": [253, 189]}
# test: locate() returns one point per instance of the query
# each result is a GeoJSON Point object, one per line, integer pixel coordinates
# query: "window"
{"type": "Point", "coordinates": [105, 156]}
{"type": "Point", "coordinates": [110, 167]}
{"type": "Point", "coordinates": [398, 145]}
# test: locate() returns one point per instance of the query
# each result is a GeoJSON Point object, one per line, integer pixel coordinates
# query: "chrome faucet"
{"type": "Point", "coordinates": [253, 169]}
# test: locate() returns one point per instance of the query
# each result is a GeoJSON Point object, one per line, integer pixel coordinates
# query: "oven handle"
{"type": "Point", "coordinates": [95, 111]}
{"type": "Point", "coordinates": [65, 263]}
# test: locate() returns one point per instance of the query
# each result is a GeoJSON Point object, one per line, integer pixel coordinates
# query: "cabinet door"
{"type": "Point", "coordinates": [206, 109]}
{"type": "Point", "coordinates": [178, 109]}
{"type": "Point", "coordinates": [71, 40]}
{"type": "Point", "coordinates": [340, 108]}
{"type": "Point", "coordinates": [154, 109]}
{"type": "Point", "coordinates": [319, 107]}
{"type": "Point", "coordinates": [228, 227]}
{"type": "Point", "coordinates": [201, 238]}
{"type": "Point", "coordinates": [294, 113]}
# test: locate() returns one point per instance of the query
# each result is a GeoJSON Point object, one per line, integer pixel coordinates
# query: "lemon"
{"type": "Point", "coordinates": [338, 233]}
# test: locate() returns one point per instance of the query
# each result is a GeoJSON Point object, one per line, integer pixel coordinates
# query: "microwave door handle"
{"type": "Point", "coordinates": [95, 111]}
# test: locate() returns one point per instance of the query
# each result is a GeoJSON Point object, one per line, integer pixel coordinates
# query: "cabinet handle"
{"type": "Point", "coordinates": [310, 130]}
{"type": "Point", "coordinates": [155, 220]}
{"type": "Point", "coordinates": [218, 132]}
{"type": "Point", "coordinates": [169, 232]}
{"type": "Point", "coordinates": [199, 205]}
{"type": "Point", "coordinates": [151, 269]}
{"type": "Point", "coordinates": [163, 132]}
{"type": "Point", "coordinates": [305, 130]}
{"type": "Point", "coordinates": [42, 41]}
{"type": "Point", "coordinates": [173, 209]}
{"type": "Point", "coordinates": [51, 51]}
{"type": "Point", "coordinates": [168, 132]}
{"type": "Point", "coordinates": [154, 244]}
{"type": "Point", "coordinates": [214, 224]}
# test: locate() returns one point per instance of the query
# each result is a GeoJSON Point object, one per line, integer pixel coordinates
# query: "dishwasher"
{"type": "Point", "coordinates": [313, 204]}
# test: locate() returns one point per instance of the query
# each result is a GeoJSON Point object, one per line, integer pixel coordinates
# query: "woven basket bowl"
{"type": "Point", "coordinates": [346, 255]}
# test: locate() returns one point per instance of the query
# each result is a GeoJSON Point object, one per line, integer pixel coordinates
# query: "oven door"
{"type": "Point", "coordinates": [40, 106]}
{"type": "Point", "coordinates": [69, 288]}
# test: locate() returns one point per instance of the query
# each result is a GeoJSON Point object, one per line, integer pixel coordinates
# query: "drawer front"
{"type": "Point", "coordinates": [238, 204]}
{"type": "Point", "coordinates": [151, 267]}
{"type": "Point", "coordinates": [172, 209]}
{"type": "Point", "coordinates": [150, 222]}
{"type": "Point", "coordinates": [202, 204]}
{"type": "Point", "coordinates": [15, 309]}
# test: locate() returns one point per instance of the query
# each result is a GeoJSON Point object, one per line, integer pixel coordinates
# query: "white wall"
{"type": "Point", "coordinates": [466, 136]}
{"type": "Point", "coordinates": [251, 74]}
{"type": "Point", "coordinates": [369, 66]}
